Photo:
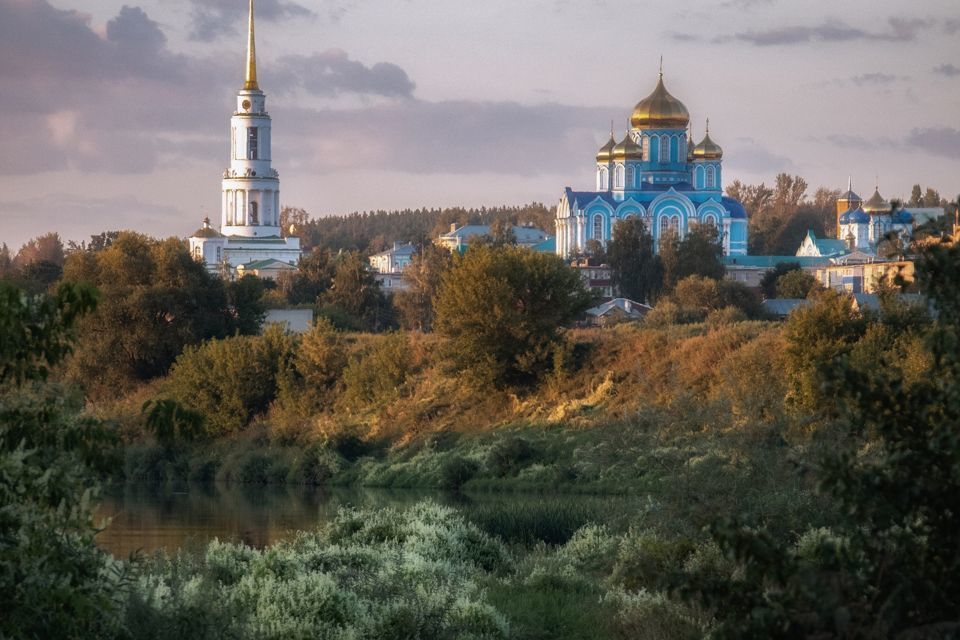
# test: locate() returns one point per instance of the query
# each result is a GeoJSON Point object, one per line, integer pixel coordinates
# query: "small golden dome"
{"type": "Point", "coordinates": [876, 203]}
{"type": "Point", "coordinates": [707, 149]}
{"type": "Point", "coordinates": [606, 151]}
{"type": "Point", "coordinates": [660, 110]}
{"type": "Point", "coordinates": [627, 149]}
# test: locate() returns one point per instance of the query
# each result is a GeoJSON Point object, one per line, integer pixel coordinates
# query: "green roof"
{"type": "Point", "coordinates": [261, 264]}
{"type": "Point", "coordinates": [770, 262]}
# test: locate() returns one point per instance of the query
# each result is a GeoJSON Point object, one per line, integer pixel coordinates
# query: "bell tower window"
{"type": "Point", "coordinates": [664, 149]}
{"type": "Point", "coordinates": [252, 143]}
{"type": "Point", "coordinates": [253, 213]}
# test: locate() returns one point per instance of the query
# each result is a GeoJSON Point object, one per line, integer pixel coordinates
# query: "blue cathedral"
{"type": "Point", "coordinates": [658, 174]}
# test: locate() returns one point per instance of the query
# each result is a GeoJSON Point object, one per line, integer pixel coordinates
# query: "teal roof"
{"type": "Point", "coordinates": [547, 246]}
{"type": "Point", "coordinates": [769, 262]}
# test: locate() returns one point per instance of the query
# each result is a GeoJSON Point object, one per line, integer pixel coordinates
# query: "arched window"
{"type": "Point", "coordinates": [675, 224]}
{"type": "Point", "coordinates": [646, 148]}
{"type": "Point", "coordinates": [197, 252]}
{"type": "Point", "coordinates": [631, 182]}
{"type": "Point", "coordinates": [618, 176]}
{"type": "Point", "coordinates": [664, 225]}
{"type": "Point", "coordinates": [604, 179]}
{"type": "Point", "coordinates": [710, 219]}
{"type": "Point", "coordinates": [711, 178]}
{"type": "Point", "coordinates": [253, 212]}
{"type": "Point", "coordinates": [664, 149]}
{"type": "Point", "coordinates": [597, 233]}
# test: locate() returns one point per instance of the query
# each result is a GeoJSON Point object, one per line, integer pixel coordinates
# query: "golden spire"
{"type": "Point", "coordinates": [251, 80]}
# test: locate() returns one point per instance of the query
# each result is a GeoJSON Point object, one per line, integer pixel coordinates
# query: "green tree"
{"type": "Point", "coordinates": [796, 283]}
{"type": "Point", "coordinates": [637, 271]}
{"type": "Point", "coordinates": [246, 300]}
{"type": "Point", "coordinates": [916, 196]}
{"type": "Point", "coordinates": [354, 299]}
{"type": "Point", "coordinates": [230, 381]}
{"type": "Point", "coordinates": [891, 569]}
{"type": "Point", "coordinates": [55, 582]}
{"type": "Point", "coordinates": [155, 300]}
{"type": "Point", "coordinates": [768, 283]}
{"type": "Point", "coordinates": [423, 276]}
{"type": "Point", "coordinates": [700, 253]}
{"type": "Point", "coordinates": [502, 310]}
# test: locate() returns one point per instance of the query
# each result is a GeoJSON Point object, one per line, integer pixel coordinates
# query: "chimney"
{"type": "Point", "coordinates": [453, 227]}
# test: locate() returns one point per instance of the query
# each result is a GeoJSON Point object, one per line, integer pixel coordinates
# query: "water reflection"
{"type": "Point", "coordinates": [148, 518]}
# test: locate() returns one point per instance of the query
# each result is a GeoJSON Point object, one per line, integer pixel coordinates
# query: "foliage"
{"type": "Point", "coordinates": [768, 283]}
{"type": "Point", "coordinates": [350, 580]}
{"type": "Point", "coordinates": [423, 275]}
{"type": "Point", "coordinates": [796, 283]}
{"type": "Point", "coordinates": [457, 471]}
{"type": "Point", "coordinates": [637, 272]}
{"type": "Point", "coordinates": [696, 297]}
{"type": "Point", "coordinates": [229, 381]}
{"type": "Point", "coordinates": [155, 300]}
{"type": "Point", "coordinates": [171, 423]}
{"type": "Point", "coordinates": [502, 308]}
{"type": "Point", "coordinates": [377, 377]}
{"type": "Point", "coordinates": [893, 567]}
{"type": "Point", "coordinates": [354, 300]}
{"type": "Point", "coordinates": [54, 582]}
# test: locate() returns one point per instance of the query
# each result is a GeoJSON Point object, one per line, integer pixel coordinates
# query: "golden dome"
{"type": "Point", "coordinates": [660, 110]}
{"type": "Point", "coordinates": [627, 149]}
{"type": "Point", "coordinates": [707, 149]}
{"type": "Point", "coordinates": [690, 144]}
{"type": "Point", "coordinates": [876, 203]}
{"type": "Point", "coordinates": [606, 151]}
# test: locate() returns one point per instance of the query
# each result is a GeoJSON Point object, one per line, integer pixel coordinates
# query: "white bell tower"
{"type": "Point", "coordinates": [251, 187]}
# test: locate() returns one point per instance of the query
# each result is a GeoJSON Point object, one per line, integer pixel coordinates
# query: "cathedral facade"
{"type": "Point", "coordinates": [249, 239]}
{"type": "Point", "coordinates": [658, 174]}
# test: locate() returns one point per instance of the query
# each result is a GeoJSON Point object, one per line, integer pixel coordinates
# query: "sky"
{"type": "Point", "coordinates": [115, 113]}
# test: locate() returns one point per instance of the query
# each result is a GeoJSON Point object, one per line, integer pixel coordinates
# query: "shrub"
{"type": "Point", "coordinates": [377, 377]}
{"type": "Point", "coordinates": [509, 455]}
{"type": "Point", "coordinates": [456, 471]}
{"type": "Point", "coordinates": [548, 521]}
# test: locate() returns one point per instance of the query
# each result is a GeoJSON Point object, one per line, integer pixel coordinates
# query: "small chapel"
{"type": "Point", "coordinates": [657, 173]}
{"type": "Point", "coordinates": [249, 239]}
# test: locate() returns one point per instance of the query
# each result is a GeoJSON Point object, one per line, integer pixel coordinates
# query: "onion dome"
{"type": "Point", "coordinates": [206, 231]}
{"type": "Point", "coordinates": [707, 149]}
{"type": "Point", "coordinates": [606, 151]}
{"type": "Point", "coordinates": [902, 217]}
{"type": "Point", "coordinates": [850, 196]}
{"type": "Point", "coordinates": [660, 110]}
{"type": "Point", "coordinates": [855, 216]}
{"type": "Point", "coordinates": [876, 204]}
{"type": "Point", "coordinates": [627, 149]}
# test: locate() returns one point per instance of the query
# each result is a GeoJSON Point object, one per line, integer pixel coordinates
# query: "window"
{"type": "Point", "coordinates": [664, 225]}
{"type": "Point", "coordinates": [597, 227]}
{"type": "Point", "coordinates": [604, 182]}
{"type": "Point", "coordinates": [253, 212]}
{"type": "Point", "coordinates": [664, 149]}
{"type": "Point", "coordinates": [252, 146]}
{"type": "Point", "coordinates": [630, 177]}
{"type": "Point", "coordinates": [709, 219]}
{"type": "Point", "coordinates": [219, 255]}
{"type": "Point", "coordinates": [646, 148]}
{"type": "Point", "coordinates": [711, 178]}
{"type": "Point", "coordinates": [618, 173]}
{"type": "Point", "coordinates": [197, 252]}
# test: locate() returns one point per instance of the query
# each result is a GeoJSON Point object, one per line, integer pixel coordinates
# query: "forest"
{"type": "Point", "coordinates": [789, 479]}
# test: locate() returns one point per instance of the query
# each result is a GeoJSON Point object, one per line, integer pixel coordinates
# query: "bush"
{"type": "Point", "coordinates": [457, 471]}
{"type": "Point", "coordinates": [509, 455]}
{"type": "Point", "coordinates": [377, 377]}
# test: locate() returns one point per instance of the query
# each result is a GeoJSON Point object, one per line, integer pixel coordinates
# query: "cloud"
{"type": "Point", "coordinates": [215, 18]}
{"type": "Point", "coordinates": [949, 69]}
{"type": "Point", "coordinates": [829, 31]}
{"type": "Point", "coordinates": [332, 72]}
{"type": "Point", "coordinates": [747, 155]}
{"type": "Point", "coordinates": [122, 102]}
{"type": "Point", "coordinates": [939, 141]}
{"type": "Point", "coordinates": [874, 79]}
{"type": "Point", "coordinates": [451, 137]}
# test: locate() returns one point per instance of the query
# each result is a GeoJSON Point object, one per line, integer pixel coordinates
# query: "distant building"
{"type": "Point", "coordinates": [750, 269]}
{"type": "Point", "coordinates": [616, 311]}
{"type": "Point", "coordinates": [294, 320]}
{"type": "Point", "coordinates": [658, 174]}
{"type": "Point", "coordinates": [813, 247]}
{"type": "Point", "coordinates": [862, 276]}
{"type": "Point", "coordinates": [596, 276]}
{"type": "Point", "coordinates": [249, 231]}
{"type": "Point", "coordinates": [268, 269]}
{"type": "Point", "coordinates": [393, 260]}
{"type": "Point", "coordinates": [862, 225]}
{"type": "Point", "coordinates": [780, 308]}
{"type": "Point", "coordinates": [459, 238]}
